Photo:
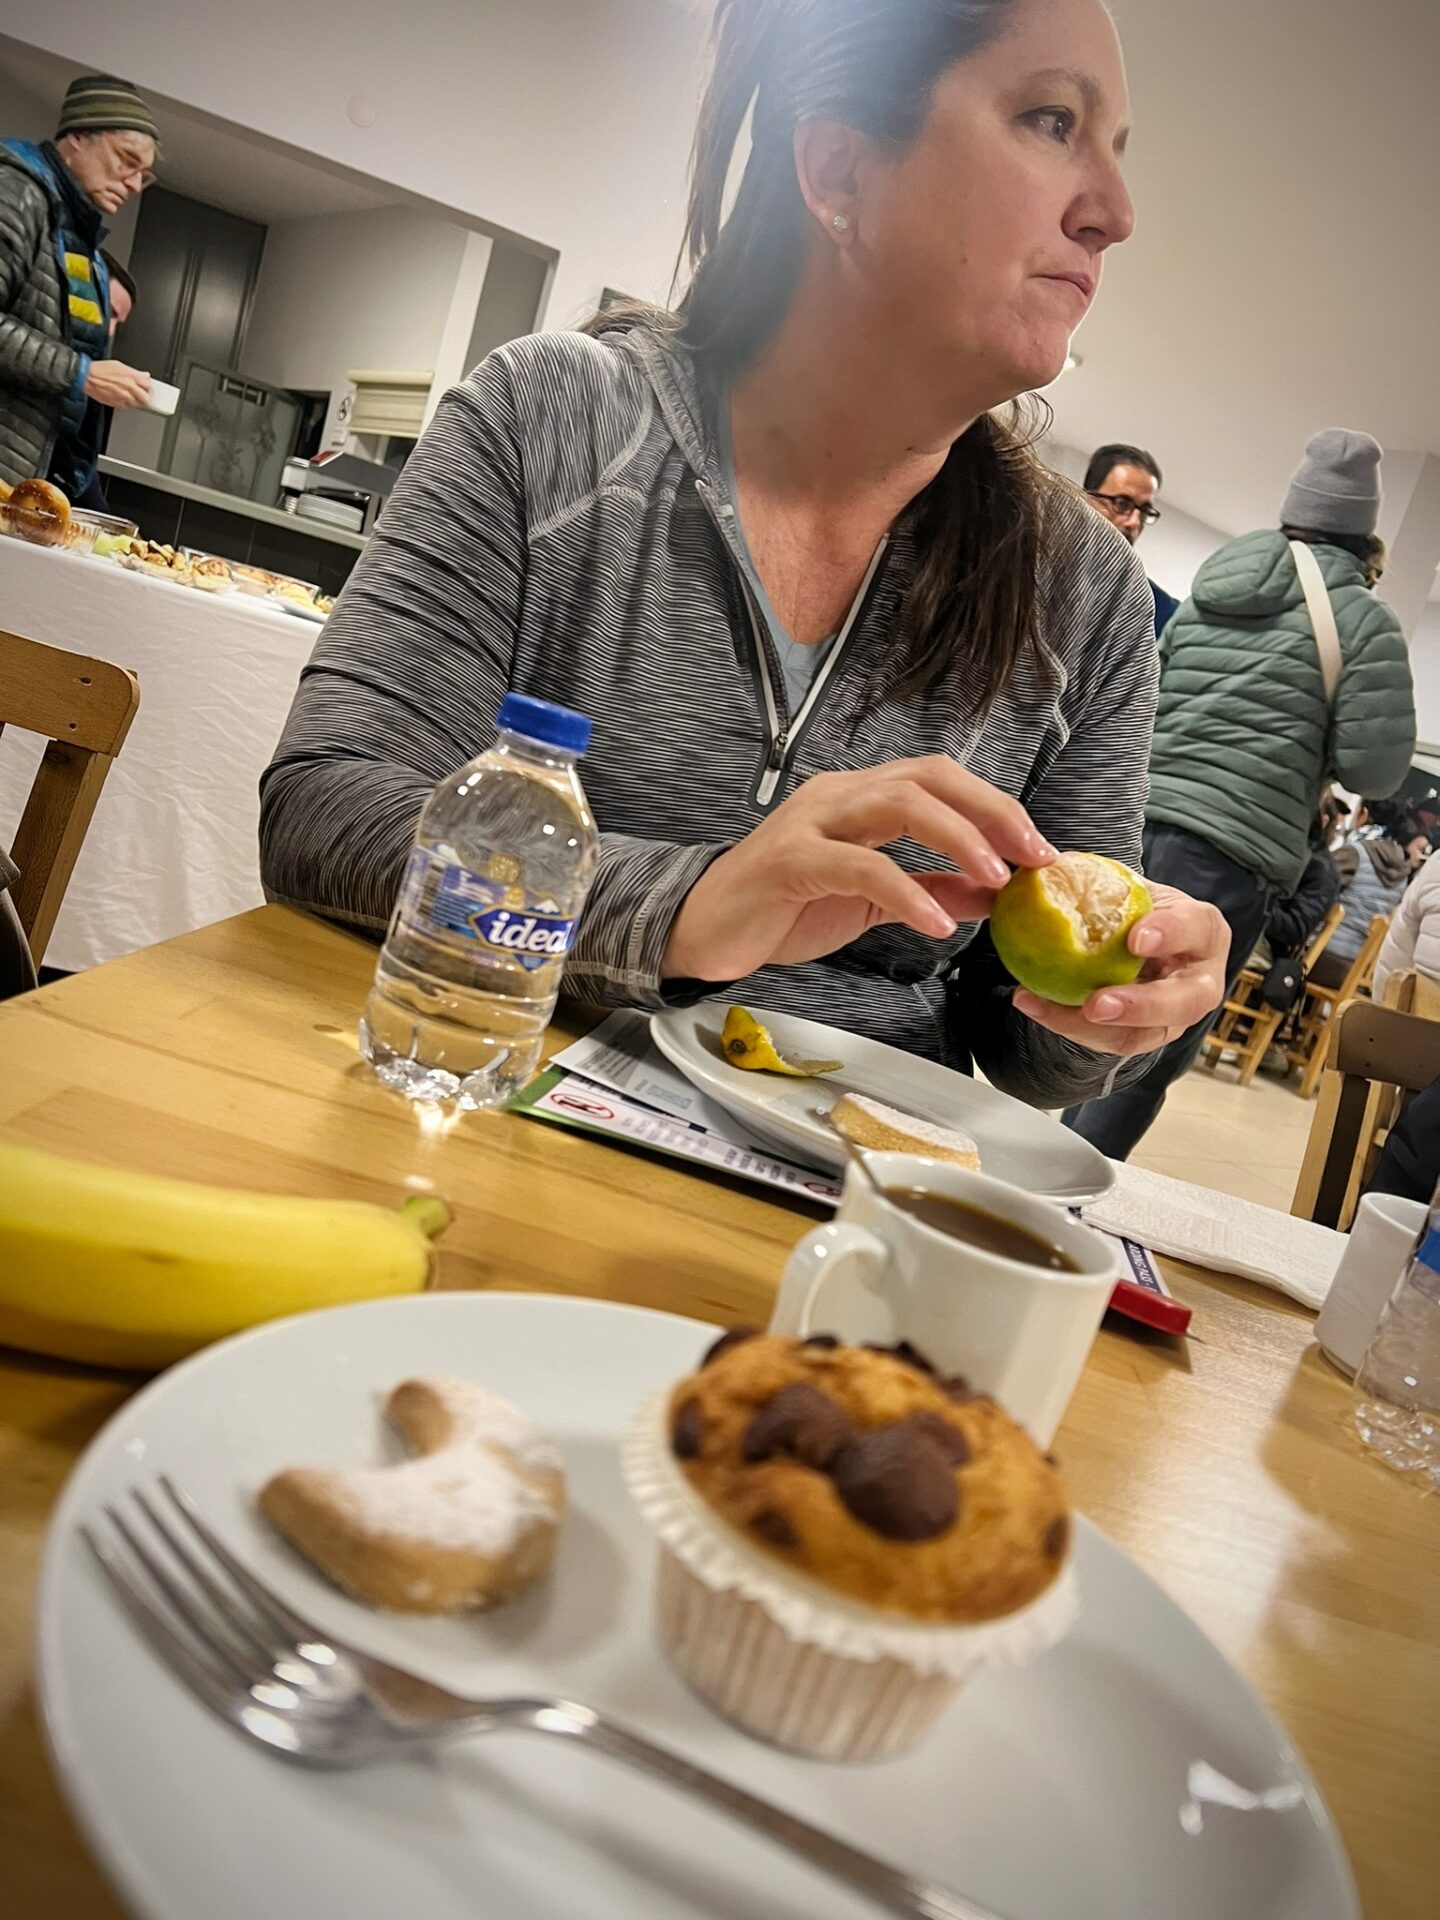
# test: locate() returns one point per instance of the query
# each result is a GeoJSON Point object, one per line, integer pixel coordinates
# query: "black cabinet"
{"type": "Point", "coordinates": [195, 268]}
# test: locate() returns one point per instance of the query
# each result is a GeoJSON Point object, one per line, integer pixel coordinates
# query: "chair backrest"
{"type": "Point", "coordinates": [1423, 997]}
{"type": "Point", "coordinates": [1320, 939]}
{"type": "Point", "coordinates": [1362, 967]}
{"type": "Point", "coordinates": [1367, 1045]}
{"type": "Point", "coordinates": [84, 708]}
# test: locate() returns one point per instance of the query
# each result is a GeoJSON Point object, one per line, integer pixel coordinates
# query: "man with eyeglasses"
{"type": "Point", "coordinates": [55, 286]}
{"type": "Point", "coordinates": [1122, 483]}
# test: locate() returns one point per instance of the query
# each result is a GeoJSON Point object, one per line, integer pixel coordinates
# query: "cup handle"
{"type": "Point", "coordinates": [820, 1259]}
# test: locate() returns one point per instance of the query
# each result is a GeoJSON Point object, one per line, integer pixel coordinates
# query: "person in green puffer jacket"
{"type": "Point", "coordinates": [1244, 737]}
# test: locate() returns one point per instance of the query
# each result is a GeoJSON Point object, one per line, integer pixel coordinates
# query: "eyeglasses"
{"type": "Point", "coordinates": [126, 165]}
{"type": "Point", "coordinates": [1122, 506]}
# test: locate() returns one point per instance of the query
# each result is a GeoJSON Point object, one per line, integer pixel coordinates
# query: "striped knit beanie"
{"type": "Point", "coordinates": [99, 103]}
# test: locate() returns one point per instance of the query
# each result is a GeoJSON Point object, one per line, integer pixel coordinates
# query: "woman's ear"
{"type": "Point", "coordinates": [828, 164]}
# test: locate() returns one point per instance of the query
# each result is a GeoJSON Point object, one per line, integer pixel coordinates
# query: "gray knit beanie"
{"type": "Point", "coordinates": [1336, 487]}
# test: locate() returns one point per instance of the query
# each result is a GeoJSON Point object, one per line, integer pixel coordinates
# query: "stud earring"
{"type": "Point", "coordinates": [840, 222]}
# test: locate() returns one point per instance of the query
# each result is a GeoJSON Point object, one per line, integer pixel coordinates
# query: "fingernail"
{"type": "Point", "coordinates": [941, 925]}
{"type": "Point", "coordinates": [993, 871]}
{"type": "Point", "coordinates": [1042, 849]}
{"type": "Point", "coordinates": [1146, 940]}
{"type": "Point", "coordinates": [1108, 1007]}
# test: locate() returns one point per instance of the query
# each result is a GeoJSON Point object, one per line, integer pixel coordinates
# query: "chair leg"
{"type": "Point", "coordinates": [1315, 1065]}
{"type": "Point", "coordinates": [1267, 1025]}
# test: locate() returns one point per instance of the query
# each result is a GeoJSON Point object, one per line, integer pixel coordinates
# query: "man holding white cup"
{"type": "Point", "coordinates": [54, 285]}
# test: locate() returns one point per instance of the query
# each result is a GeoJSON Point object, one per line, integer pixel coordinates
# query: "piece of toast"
{"type": "Point", "coordinates": [870, 1123]}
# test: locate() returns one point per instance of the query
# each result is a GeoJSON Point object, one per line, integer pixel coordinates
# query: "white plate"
{"type": "Point", "coordinates": [1017, 1143]}
{"type": "Point", "coordinates": [1054, 1792]}
{"type": "Point", "coordinates": [312, 614]}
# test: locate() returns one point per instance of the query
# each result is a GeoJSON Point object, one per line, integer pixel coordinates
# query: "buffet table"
{"type": "Point", "coordinates": [173, 842]}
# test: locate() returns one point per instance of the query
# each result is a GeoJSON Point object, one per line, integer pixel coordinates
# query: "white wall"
{"type": "Point", "coordinates": [349, 290]}
{"type": "Point", "coordinates": [1425, 666]}
{"type": "Point", "coordinates": [23, 115]}
{"type": "Point", "coordinates": [567, 121]}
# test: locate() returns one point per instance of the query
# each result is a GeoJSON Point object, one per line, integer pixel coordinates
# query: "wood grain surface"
{"type": "Point", "coordinates": [1225, 1465]}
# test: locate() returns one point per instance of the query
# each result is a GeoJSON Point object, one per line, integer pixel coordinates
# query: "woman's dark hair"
{"type": "Point", "coordinates": [1368, 548]}
{"type": "Point", "coordinates": [871, 65]}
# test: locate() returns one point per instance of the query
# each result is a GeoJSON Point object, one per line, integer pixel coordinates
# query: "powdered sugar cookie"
{"type": "Point", "coordinates": [469, 1522]}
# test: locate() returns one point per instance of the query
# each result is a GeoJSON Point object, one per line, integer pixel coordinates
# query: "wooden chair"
{"type": "Point", "coordinates": [1367, 1047]}
{"type": "Point", "coordinates": [1322, 1005]}
{"type": "Point", "coordinates": [1262, 1022]}
{"type": "Point", "coordinates": [84, 708]}
{"type": "Point", "coordinates": [1412, 992]}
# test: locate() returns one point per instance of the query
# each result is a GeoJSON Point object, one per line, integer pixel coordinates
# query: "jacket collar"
{"type": "Point", "coordinates": [42, 161]}
{"type": "Point", "coordinates": [670, 373]}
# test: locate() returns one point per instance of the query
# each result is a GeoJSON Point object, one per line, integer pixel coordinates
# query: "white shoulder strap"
{"type": "Point", "coordinates": [1322, 617]}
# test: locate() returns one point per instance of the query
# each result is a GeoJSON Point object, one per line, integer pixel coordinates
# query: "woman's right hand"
{"type": "Point", "coordinates": [811, 878]}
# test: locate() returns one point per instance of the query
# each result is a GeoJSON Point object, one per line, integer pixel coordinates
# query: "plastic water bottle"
{"type": "Point", "coordinates": [1397, 1387]}
{"type": "Point", "coordinates": [471, 966]}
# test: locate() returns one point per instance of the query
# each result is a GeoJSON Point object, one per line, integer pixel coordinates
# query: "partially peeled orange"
{"type": "Point", "coordinates": [1062, 929]}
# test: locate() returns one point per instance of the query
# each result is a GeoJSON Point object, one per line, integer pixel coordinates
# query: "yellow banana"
{"type": "Point", "coordinates": [132, 1270]}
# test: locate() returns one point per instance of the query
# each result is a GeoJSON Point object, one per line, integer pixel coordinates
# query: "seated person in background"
{"type": "Point", "coordinates": [1374, 866]}
{"type": "Point", "coordinates": [1414, 936]}
{"type": "Point", "coordinates": [1294, 921]}
{"type": "Point", "coordinates": [1410, 1159]}
{"type": "Point", "coordinates": [647, 519]}
{"type": "Point", "coordinates": [1123, 482]}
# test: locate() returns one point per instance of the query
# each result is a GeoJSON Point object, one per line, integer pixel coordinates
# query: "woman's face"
{"type": "Point", "coordinates": [980, 245]}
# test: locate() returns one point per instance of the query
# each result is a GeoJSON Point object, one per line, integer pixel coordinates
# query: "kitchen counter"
{"type": "Point", "coordinates": [227, 502]}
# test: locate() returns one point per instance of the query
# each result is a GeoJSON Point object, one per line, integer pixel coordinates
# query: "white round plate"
{"type": "Point", "coordinates": [312, 614]}
{"type": "Point", "coordinates": [1017, 1143]}
{"type": "Point", "coordinates": [1058, 1791]}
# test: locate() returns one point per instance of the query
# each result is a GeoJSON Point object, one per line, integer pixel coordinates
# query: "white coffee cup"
{"type": "Point", "coordinates": [1017, 1331]}
{"type": "Point", "coordinates": [1382, 1237]}
{"type": "Point", "coordinates": [161, 397]}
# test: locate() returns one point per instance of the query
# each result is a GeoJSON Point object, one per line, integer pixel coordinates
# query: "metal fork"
{"type": "Point", "coordinates": [277, 1677]}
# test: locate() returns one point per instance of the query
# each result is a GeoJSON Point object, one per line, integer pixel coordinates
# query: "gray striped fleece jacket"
{"type": "Point", "coordinates": [562, 529]}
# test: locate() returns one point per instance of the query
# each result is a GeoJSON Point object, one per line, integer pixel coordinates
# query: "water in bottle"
{"type": "Point", "coordinates": [471, 966]}
{"type": "Point", "coordinates": [1397, 1387]}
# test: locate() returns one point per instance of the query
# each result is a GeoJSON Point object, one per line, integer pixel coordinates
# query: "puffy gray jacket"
{"type": "Point", "coordinates": [38, 364]}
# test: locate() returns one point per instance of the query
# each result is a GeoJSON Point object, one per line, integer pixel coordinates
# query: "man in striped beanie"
{"type": "Point", "coordinates": [55, 370]}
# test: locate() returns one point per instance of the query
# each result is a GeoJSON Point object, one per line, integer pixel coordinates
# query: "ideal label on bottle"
{"type": "Point", "coordinates": [450, 899]}
{"type": "Point", "coordinates": [1425, 1267]}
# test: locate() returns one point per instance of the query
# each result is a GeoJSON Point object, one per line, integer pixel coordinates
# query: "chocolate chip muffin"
{"type": "Point", "coordinates": [865, 1471]}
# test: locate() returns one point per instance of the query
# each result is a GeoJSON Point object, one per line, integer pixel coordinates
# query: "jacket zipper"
{"type": "Point", "coordinates": [782, 745]}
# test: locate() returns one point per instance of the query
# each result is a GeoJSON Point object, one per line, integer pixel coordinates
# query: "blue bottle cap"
{"type": "Point", "coordinates": [540, 720]}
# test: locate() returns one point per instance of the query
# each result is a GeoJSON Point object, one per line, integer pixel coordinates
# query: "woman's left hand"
{"type": "Point", "coordinates": [1185, 944]}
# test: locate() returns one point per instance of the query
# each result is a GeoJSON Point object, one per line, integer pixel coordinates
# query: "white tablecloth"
{"type": "Point", "coordinates": [172, 845]}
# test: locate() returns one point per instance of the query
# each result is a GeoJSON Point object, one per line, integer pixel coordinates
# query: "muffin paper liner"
{"type": "Point", "coordinates": [722, 1560]}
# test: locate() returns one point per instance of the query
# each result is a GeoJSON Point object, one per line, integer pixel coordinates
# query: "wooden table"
{"type": "Point", "coordinates": [1226, 1466]}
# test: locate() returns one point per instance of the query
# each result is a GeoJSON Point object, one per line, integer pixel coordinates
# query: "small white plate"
{"type": "Point", "coordinates": [1058, 1791]}
{"type": "Point", "coordinates": [312, 614]}
{"type": "Point", "coordinates": [1017, 1143]}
